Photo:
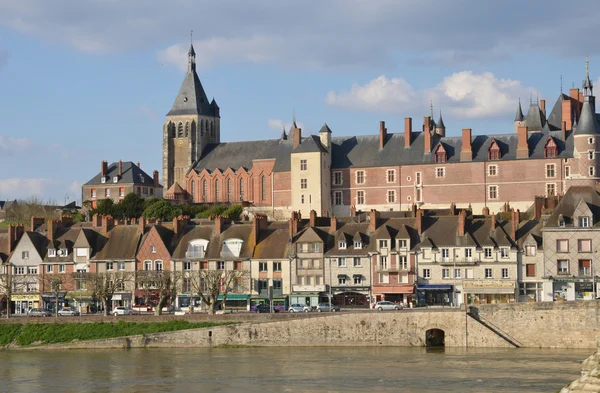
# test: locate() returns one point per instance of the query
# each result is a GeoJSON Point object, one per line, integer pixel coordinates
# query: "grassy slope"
{"type": "Point", "coordinates": [50, 333]}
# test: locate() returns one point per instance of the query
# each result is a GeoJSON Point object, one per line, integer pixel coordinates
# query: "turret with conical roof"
{"type": "Point", "coordinates": [519, 118]}
{"type": "Point", "coordinates": [283, 135]}
{"type": "Point", "coordinates": [325, 135]}
{"type": "Point", "coordinates": [440, 127]}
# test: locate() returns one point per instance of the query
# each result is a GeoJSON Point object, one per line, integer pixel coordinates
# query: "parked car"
{"type": "Point", "coordinates": [67, 311]}
{"type": "Point", "coordinates": [261, 308]}
{"type": "Point", "coordinates": [38, 312]}
{"type": "Point", "coordinates": [386, 305]}
{"type": "Point", "coordinates": [325, 307]}
{"type": "Point", "coordinates": [299, 308]}
{"type": "Point", "coordinates": [121, 310]}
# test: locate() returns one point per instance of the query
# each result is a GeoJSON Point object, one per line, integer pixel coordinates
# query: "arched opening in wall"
{"type": "Point", "coordinates": [435, 338]}
{"type": "Point", "coordinates": [180, 130]}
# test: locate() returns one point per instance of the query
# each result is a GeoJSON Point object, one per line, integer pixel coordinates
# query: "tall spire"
{"type": "Point", "coordinates": [283, 134]}
{"type": "Point", "coordinates": [440, 122]}
{"type": "Point", "coordinates": [191, 55]}
{"type": "Point", "coordinates": [587, 83]}
{"type": "Point", "coordinates": [519, 116]}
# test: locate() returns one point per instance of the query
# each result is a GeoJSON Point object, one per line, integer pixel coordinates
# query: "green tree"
{"type": "Point", "coordinates": [162, 210]}
{"type": "Point", "coordinates": [105, 207]}
{"type": "Point", "coordinates": [132, 206]}
{"type": "Point", "coordinates": [234, 212]}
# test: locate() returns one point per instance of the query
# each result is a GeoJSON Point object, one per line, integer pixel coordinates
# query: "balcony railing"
{"type": "Point", "coordinates": [459, 261]}
{"type": "Point", "coordinates": [194, 254]}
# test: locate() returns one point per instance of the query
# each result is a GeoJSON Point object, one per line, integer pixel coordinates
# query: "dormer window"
{"type": "Point", "coordinates": [62, 252]}
{"type": "Point", "coordinates": [51, 252]}
{"type": "Point", "coordinates": [142, 178]}
{"type": "Point", "coordinates": [196, 248]}
{"type": "Point", "coordinates": [383, 244]}
{"type": "Point", "coordinates": [402, 243]}
{"type": "Point", "coordinates": [584, 222]}
{"type": "Point", "coordinates": [232, 247]}
{"type": "Point", "coordinates": [103, 179]}
{"type": "Point", "coordinates": [115, 179]}
{"type": "Point", "coordinates": [357, 244]}
{"type": "Point", "coordinates": [550, 150]}
{"type": "Point", "coordinates": [440, 154]}
{"type": "Point", "coordinates": [494, 152]}
{"type": "Point", "coordinates": [342, 245]}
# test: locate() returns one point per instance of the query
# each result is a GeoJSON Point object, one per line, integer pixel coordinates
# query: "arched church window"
{"type": "Point", "coordinates": [204, 190]}
{"type": "Point", "coordinates": [201, 127]}
{"type": "Point", "coordinates": [180, 130]}
{"type": "Point", "coordinates": [217, 199]}
{"type": "Point", "coordinates": [241, 189]}
{"type": "Point", "coordinates": [193, 189]}
{"type": "Point", "coordinates": [193, 128]}
{"type": "Point", "coordinates": [212, 129]}
{"type": "Point", "coordinates": [172, 130]}
{"type": "Point", "coordinates": [229, 190]}
{"type": "Point", "coordinates": [187, 129]}
{"type": "Point", "coordinates": [263, 188]}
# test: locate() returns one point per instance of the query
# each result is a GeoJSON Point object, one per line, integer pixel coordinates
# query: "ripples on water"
{"type": "Point", "coordinates": [322, 370]}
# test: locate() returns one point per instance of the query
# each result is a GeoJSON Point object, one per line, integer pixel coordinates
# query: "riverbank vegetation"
{"type": "Point", "coordinates": [53, 333]}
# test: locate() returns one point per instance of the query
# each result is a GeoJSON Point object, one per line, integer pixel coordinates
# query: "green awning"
{"type": "Point", "coordinates": [234, 296]}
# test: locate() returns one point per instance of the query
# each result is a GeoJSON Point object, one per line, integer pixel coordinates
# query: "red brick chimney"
{"type": "Point", "coordinates": [382, 134]}
{"type": "Point", "coordinates": [462, 221]}
{"type": "Point", "coordinates": [333, 225]}
{"type": "Point", "coordinates": [142, 224]}
{"type": "Point", "coordinates": [352, 211]}
{"type": "Point", "coordinates": [179, 223]}
{"type": "Point", "coordinates": [522, 147]}
{"type": "Point", "coordinates": [103, 168]}
{"type": "Point", "coordinates": [155, 178]}
{"type": "Point", "coordinates": [452, 209]}
{"type": "Point", "coordinates": [120, 169]}
{"type": "Point", "coordinates": [15, 232]}
{"type": "Point", "coordinates": [373, 215]}
{"type": "Point", "coordinates": [567, 113]}
{"type": "Point", "coordinates": [219, 224]}
{"type": "Point", "coordinates": [485, 211]}
{"type": "Point", "coordinates": [407, 131]}
{"type": "Point", "coordinates": [419, 221]}
{"type": "Point", "coordinates": [543, 106]}
{"type": "Point", "coordinates": [493, 226]}
{"type": "Point", "coordinates": [36, 222]}
{"type": "Point", "coordinates": [108, 222]}
{"type": "Point", "coordinates": [427, 134]}
{"type": "Point", "coordinates": [259, 224]}
{"type": "Point", "coordinates": [563, 128]}
{"type": "Point", "coordinates": [51, 227]}
{"type": "Point", "coordinates": [313, 218]}
{"type": "Point", "coordinates": [66, 220]}
{"type": "Point", "coordinates": [293, 223]}
{"type": "Point", "coordinates": [466, 152]}
{"type": "Point", "coordinates": [515, 223]}
{"type": "Point", "coordinates": [96, 220]}
{"type": "Point", "coordinates": [414, 209]}
{"type": "Point", "coordinates": [297, 137]}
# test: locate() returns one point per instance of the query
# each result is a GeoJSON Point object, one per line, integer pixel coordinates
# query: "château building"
{"type": "Point", "coordinates": [543, 155]}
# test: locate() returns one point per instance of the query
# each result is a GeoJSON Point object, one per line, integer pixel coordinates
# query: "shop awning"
{"type": "Point", "coordinates": [234, 296]}
{"type": "Point", "coordinates": [434, 286]}
{"type": "Point", "coordinates": [486, 291]}
{"type": "Point", "coordinates": [394, 290]}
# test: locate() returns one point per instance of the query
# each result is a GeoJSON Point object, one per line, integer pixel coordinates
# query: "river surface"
{"type": "Point", "coordinates": [254, 370]}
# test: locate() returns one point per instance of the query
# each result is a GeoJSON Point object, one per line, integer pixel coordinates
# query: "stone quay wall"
{"type": "Point", "coordinates": [534, 325]}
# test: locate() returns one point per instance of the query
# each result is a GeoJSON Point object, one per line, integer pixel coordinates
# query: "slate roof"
{"type": "Point", "coordinates": [535, 119]}
{"type": "Point", "coordinates": [122, 244]}
{"type": "Point", "coordinates": [349, 232]}
{"type": "Point", "coordinates": [274, 242]}
{"type": "Point", "coordinates": [555, 118]}
{"type": "Point", "coordinates": [519, 115]}
{"type": "Point", "coordinates": [310, 144]}
{"type": "Point", "coordinates": [234, 231]}
{"type": "Point", "coordinates": [132, 174]}
{"type": "Point", "coordinates": [568, 203]}
{"type": "Point", "coordinates": [191, 99]}
{"type": "Point", "coordinates": [192, 232]}
{"type": "Point", "coordinates": [65, 240]}
{"type": "Point", "coordinates": [39, 241]}
{"type": "Point", "coordinates": [588, 123]}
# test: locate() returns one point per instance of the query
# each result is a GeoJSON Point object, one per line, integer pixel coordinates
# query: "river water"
{"type": "Point", "coordinates": [254, 370]}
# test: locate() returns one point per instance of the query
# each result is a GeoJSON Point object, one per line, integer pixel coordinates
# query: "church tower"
{"type": "Point", "coordinates": [192, 123]}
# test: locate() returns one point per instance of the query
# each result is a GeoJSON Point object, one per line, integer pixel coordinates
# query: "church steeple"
{"type": "Point", "coordinates": [519, 116]}
{"type": "Point", "coordinates": [191, 59]}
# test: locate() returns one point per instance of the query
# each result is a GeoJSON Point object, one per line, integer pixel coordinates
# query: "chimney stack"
{"type": "Point", "coordinates": [219, 224]}
{"type": "Point", "coordinates": [96, 220]}
{"type": "Point", "coordinates": [515, 223]}
{"type": "Point", "coordinates": [120, 169]}
{"type": "Point", "coordinates": [485, 211]}
{"type": "Point", "coordinates": [293, 224]}
{"type": "Point", "coordinates": [259, 224]}
{"type": "Point", "coordinates": [333, 225]}
{"type": "Point", "coordinates": [15, 232]}
{"type": "Point", "coordinates": [36, 222]}
{"type": "Point", "coordinates": [108, 222]}
{"type": "Point", "coordinates": [382, 134]}
{"type": "Point", "coordinates": [419, 221]}
{"type": "Point", "coordinates": [407, 131]}
{"type": "Point", "coordinates": [493, 227]}
{"type": "Point", "coordinates": [352, 211]}
{"type": "Point", "coordinates": [51, 227]}
{"type": "Point", "coordinates": [373, 215]}
{"type": "Point", "coordinates": [543, 107]}
{"type": "Point", "coordinates": [313, 218]}
{"type": "Point", "coordinates": [141, 224]}
{"type": "Point", "coordinates": [138, 165]}
{"type": "Point", "coordinates": [155, 178]}
{"type": "Point", "coordinates": [427, 134]}
{"type": "Point", "coordinates": [462, 221]}
{"type": "Point", "coordinates": [466, 152]}
{"type": "Point", "coordinates": [522, 147]}
{"type": "Point", "coordinates": [103, 168]}
{"type": "Point", "coordinates": [297, 137]}
{"type": "Point", "coordinates": [178, 224]}
{"type": "Point", "coordinates": [66, 220]}
{"type": "Point", "coordinates": [563, 128]}
{"type": "Point", "coordinates": [452, 209]}
{"type": "Point", "coordinates": [413, 208]}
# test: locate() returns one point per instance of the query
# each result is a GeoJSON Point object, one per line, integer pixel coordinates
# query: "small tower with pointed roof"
{"type": "Point", "coordinates": [440, 127]}
{"type": "Point", "coordinates": [192, 123]}
{"type": "Point", "coordinates": [519, 118]}
{"type": "Point", "coordinates": [587, 134]}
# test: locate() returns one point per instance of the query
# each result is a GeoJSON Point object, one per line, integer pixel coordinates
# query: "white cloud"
{"type": "Point", "coordinates": [463, 94]}
{"type": "Point", "coordinates": [146, 112]}
{"type": "Point", "coordinates": [278, 124]}
{"type": "Point", "coordinates": [23, 187]}
{"type": "Point", "coordinates": [12, 145]}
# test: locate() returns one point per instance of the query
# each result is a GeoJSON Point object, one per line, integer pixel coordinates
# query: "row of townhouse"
{"type": "Point", "coordinates": [418, 257]}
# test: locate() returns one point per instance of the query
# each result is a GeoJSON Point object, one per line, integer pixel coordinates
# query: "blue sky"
{"type": "Point", "coordinates": [90, 80]}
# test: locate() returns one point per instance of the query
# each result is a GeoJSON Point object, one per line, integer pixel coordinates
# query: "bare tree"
{"type": "Point", "coordinates": [162, 282]}
{"type": "Point", "coordinates": [56, 284]}
{"type": "Point", "coordinates": [209, 284]}
{"type": "Point", "coordinates": [104, 285]}
{"type": "Point", "coordinates": [11, 284]}
{"type": "Point", "coordinates": [24, 209]}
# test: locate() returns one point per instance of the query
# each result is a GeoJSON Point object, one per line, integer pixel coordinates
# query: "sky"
{"type": "Point", "coordinates": [83, 81]}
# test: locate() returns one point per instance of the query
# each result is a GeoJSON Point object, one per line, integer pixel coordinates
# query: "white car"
{"type": "Point", "coordinates": [120, 310]}
{"type": "Point", "coordinates": [386, 305]}
{"type": "Point", "coordinates": [298, 308]}
{"type": "Point", "coordinates": [67, 311]}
